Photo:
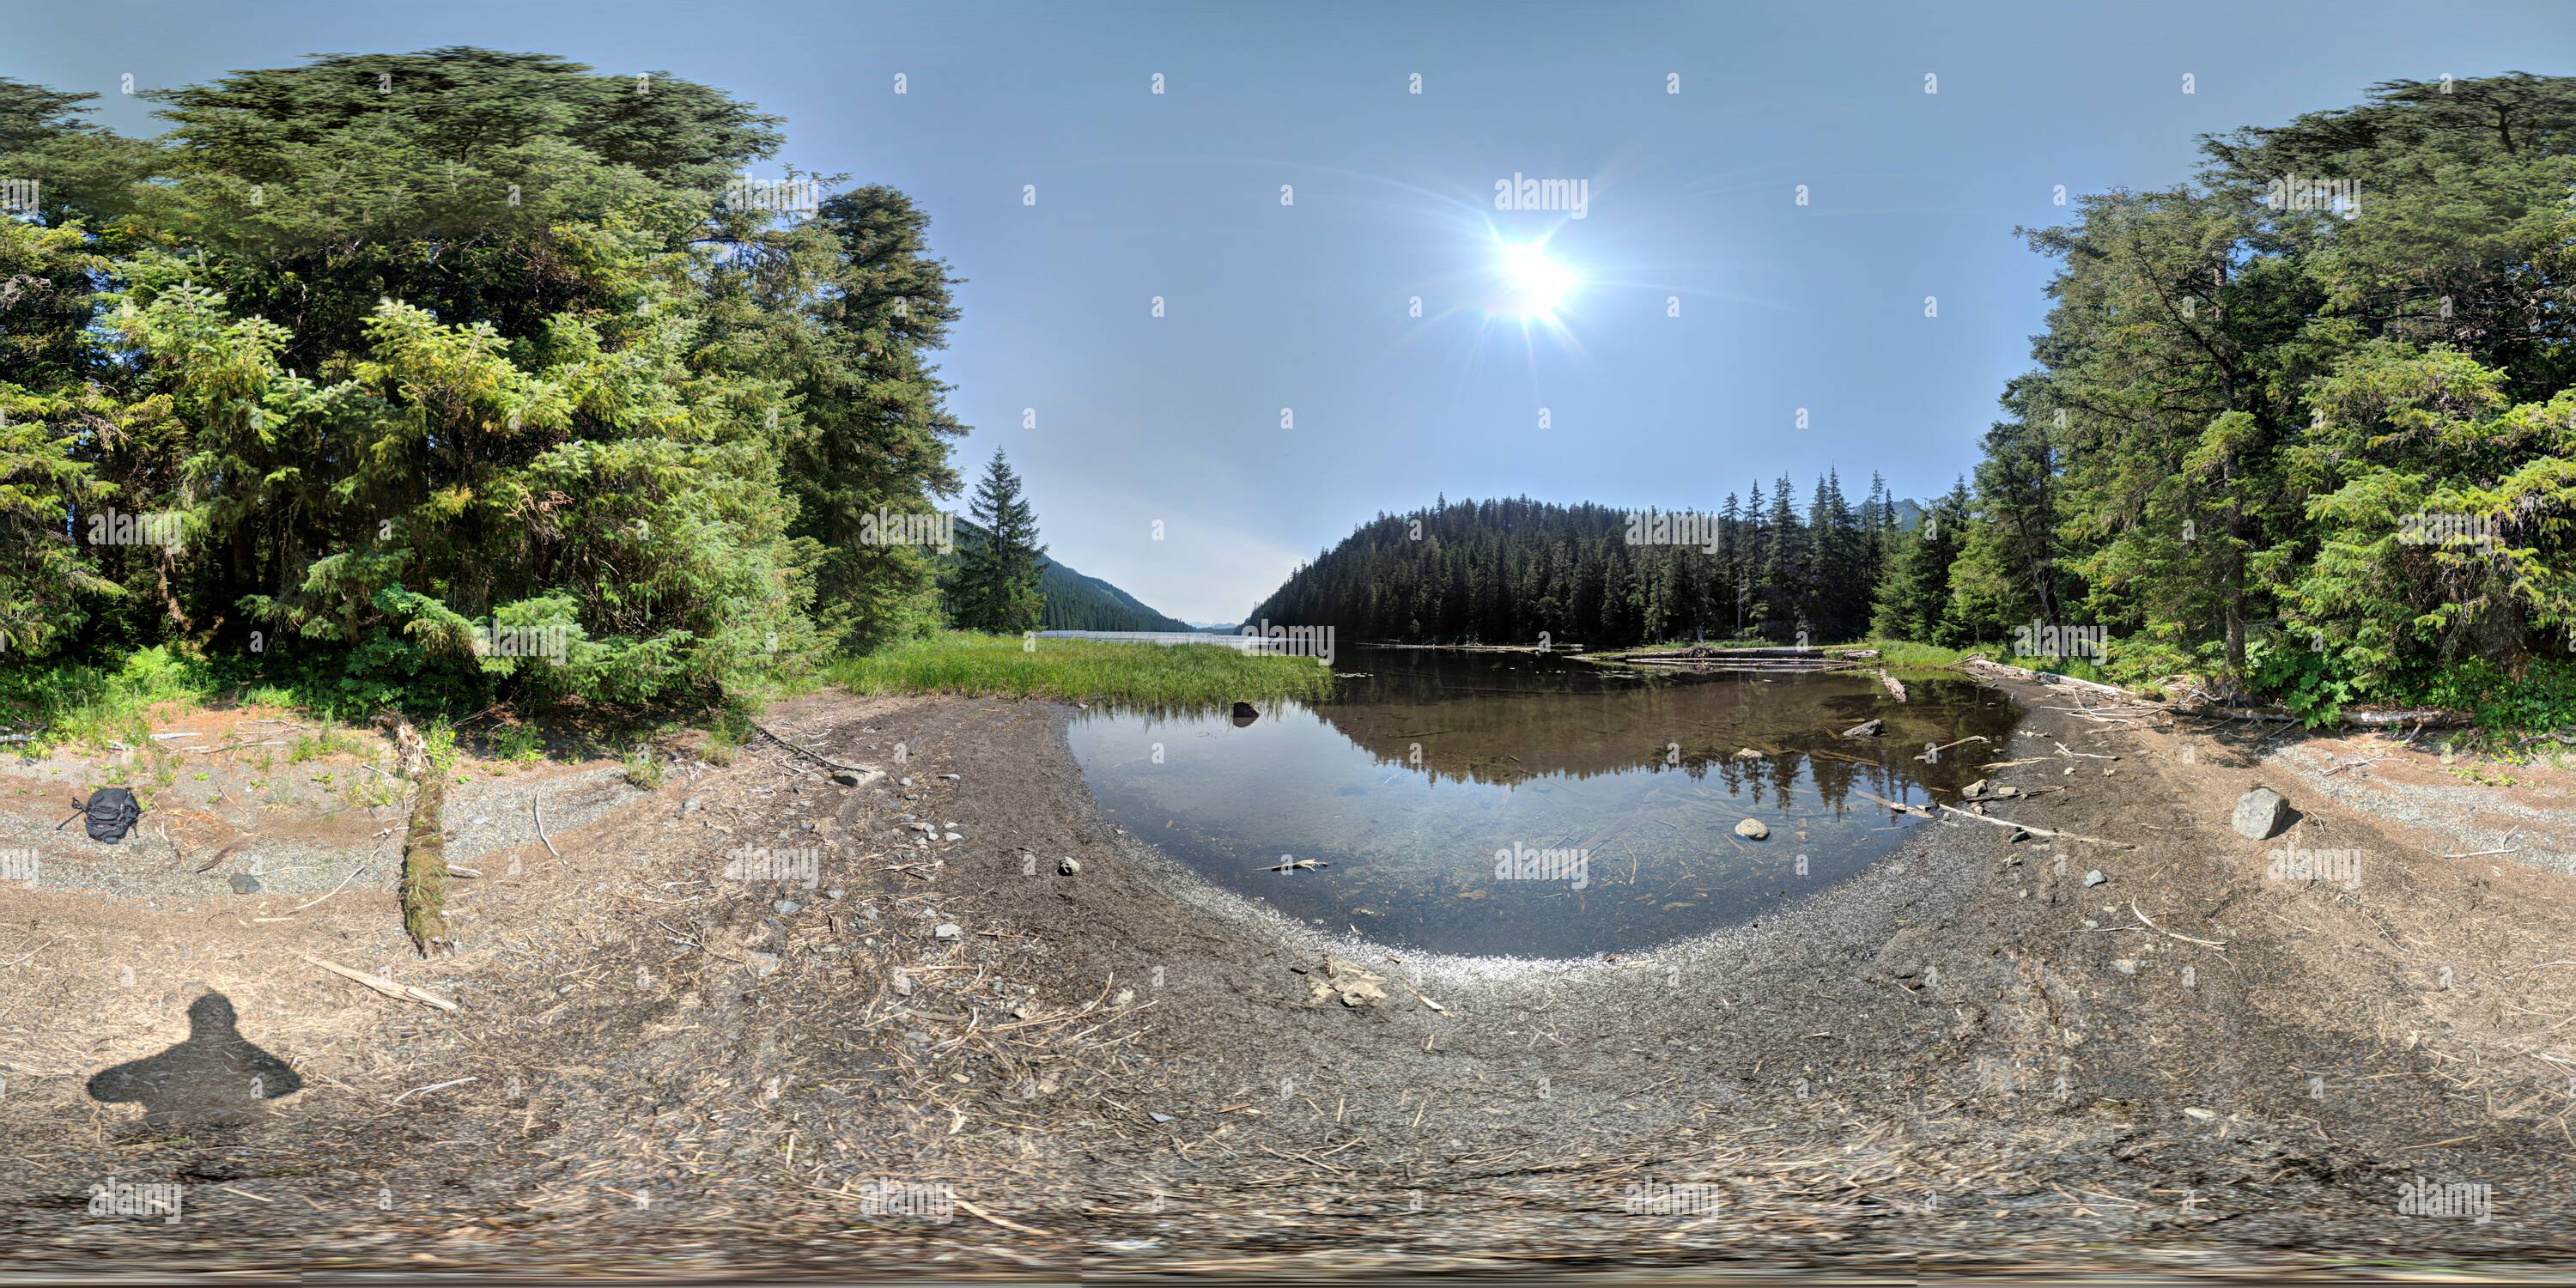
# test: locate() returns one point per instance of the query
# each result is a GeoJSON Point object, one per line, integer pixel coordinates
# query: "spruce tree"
{"type": "Point", "coordinates": [997, 581]}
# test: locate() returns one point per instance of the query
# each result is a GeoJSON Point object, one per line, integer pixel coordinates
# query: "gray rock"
{"type": "Point", "coordinates": [2260, 813]}
{"type": "Point", "coordinates": [1068, 865]}
{"type": "Point", "coordinates": [2126, 966]}
{"type": "Point", "coordinates": [763, 965]}
{"type": "Point", "coordinates": [1865, 729]}
{"type": "Point", "coordinates": [2095, 877]}
{"type": "Point", "coordinates": [1752, 829]}
{"type": "Point", "coordinates": [245, 883]}
{"type": "Point", "coordinates": [786, 907]}
{"type": "Point", "coordinates": [952, 836]}
{"type": "Point", "coordinates": [947, 932]}
{"type": "Point", "coordinates": [1164, 1118]}
{"type": "Point", "coordinates": [834, 894]}
{"type": "Point", "coordinates": [690, 806]}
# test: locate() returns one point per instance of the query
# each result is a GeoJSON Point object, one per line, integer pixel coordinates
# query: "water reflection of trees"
{"type": "Point", "coordinates": [1510, 735]}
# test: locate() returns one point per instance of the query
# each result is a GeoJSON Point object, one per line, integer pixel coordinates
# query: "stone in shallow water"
{"type": "Point", "coordinates": [1752, 829]}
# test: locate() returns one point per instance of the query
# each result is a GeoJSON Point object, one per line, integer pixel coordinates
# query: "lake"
{"type": "Point", "coordinates": [1535, 806]}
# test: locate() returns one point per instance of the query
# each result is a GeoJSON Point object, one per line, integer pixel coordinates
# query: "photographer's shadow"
{"type": "Point", "coordinates": [215, 1078]}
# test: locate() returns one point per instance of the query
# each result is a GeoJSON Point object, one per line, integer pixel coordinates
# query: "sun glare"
{"type": "Point", "coordinates": [1536, 283]}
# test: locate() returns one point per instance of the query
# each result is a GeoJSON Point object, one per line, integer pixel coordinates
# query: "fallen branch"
{"type": "Point", "coordinates": [389, 988]}
{"type": "Point", "coordinates": [808, 752]}
{"type": "Point", "coordinates": [435, 1086]}
{"type": "Point", "coordinates": [1004, 1222]}
{"type": "Point", "coordinates": [2040, 831]}
{"type": "Point", "coordinates": [539, 816]}
{"type": "Point", "coordinates": [344, 881]}
{"type": "Point", "coordinates": [2142, 919]}
{"type": "Point", "coordinates": [1893, 684]}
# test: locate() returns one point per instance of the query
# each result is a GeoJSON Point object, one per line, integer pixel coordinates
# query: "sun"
{"type": "Point", "coordinates": [1536, 284]}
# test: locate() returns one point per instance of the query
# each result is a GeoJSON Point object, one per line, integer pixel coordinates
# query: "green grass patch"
{"type": "Point", "coordinates": [1079, 670]}
{"type": "Point", "coordinates": [94, 705]}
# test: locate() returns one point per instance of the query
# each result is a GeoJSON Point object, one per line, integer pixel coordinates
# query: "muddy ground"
{"type": "Point", "coordinates": [951, 1056]}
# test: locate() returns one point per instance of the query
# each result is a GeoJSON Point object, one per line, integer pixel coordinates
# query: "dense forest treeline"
{"type": "Point", "coordinates": [376, 369]}
{"type": "Point", "coordinates": [2306, 426]}
{"type": "Point", "coordinates": [1763, 566]}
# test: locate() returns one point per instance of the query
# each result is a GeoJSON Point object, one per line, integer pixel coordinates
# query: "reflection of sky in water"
{"type": "Point", "coordinates": [1409, 781]}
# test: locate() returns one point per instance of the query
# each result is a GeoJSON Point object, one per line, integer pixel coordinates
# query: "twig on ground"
{"type": "Point", "coordinates": [806, 751]}
{"type": "Point", "coordinates": [435, 1086]}
{"type": "Point", "coordinates": [2040, 831]}
{"type": "Point", "coordinates": [344, 881]}
{"type": "Point", "coordinates": [389, 988]}
{"type": "Point", "coordinates": [539, 816]}
{"type": "Point", "coordinates": [2142, 918]}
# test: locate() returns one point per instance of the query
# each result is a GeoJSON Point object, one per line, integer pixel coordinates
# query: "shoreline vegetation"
{"type": "Point", "coordinates": [95, 707]}
{"type": "Point", "coordinates": [1079, 670]}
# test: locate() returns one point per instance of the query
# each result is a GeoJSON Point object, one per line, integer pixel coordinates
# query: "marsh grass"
{"type": "Point", "coordinates": [1079, 670]}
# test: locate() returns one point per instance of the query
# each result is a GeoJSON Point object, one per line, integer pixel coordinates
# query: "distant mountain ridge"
{"type": "Point", "coordinates": [1075, 602]}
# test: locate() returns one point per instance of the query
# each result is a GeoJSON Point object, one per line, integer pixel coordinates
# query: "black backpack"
{"type": "Point", "coordinates": [111, 814]}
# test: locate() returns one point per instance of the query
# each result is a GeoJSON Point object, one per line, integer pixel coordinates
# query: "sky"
{"type": "Point", "coordinates": [1217, 327]}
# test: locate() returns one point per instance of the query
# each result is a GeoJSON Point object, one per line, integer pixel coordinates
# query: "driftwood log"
{"type": "Point", "coordinates": [424, 870]}
{"type": "Point", "coordinates": [2434, 717]}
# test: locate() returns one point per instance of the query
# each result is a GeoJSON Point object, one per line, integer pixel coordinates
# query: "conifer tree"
{"type": "Point", "coordinates": [996, 587]}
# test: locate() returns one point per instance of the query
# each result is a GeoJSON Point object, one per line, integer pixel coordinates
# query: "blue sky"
{"type": "Point", "coordinates": [1692, 197]}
